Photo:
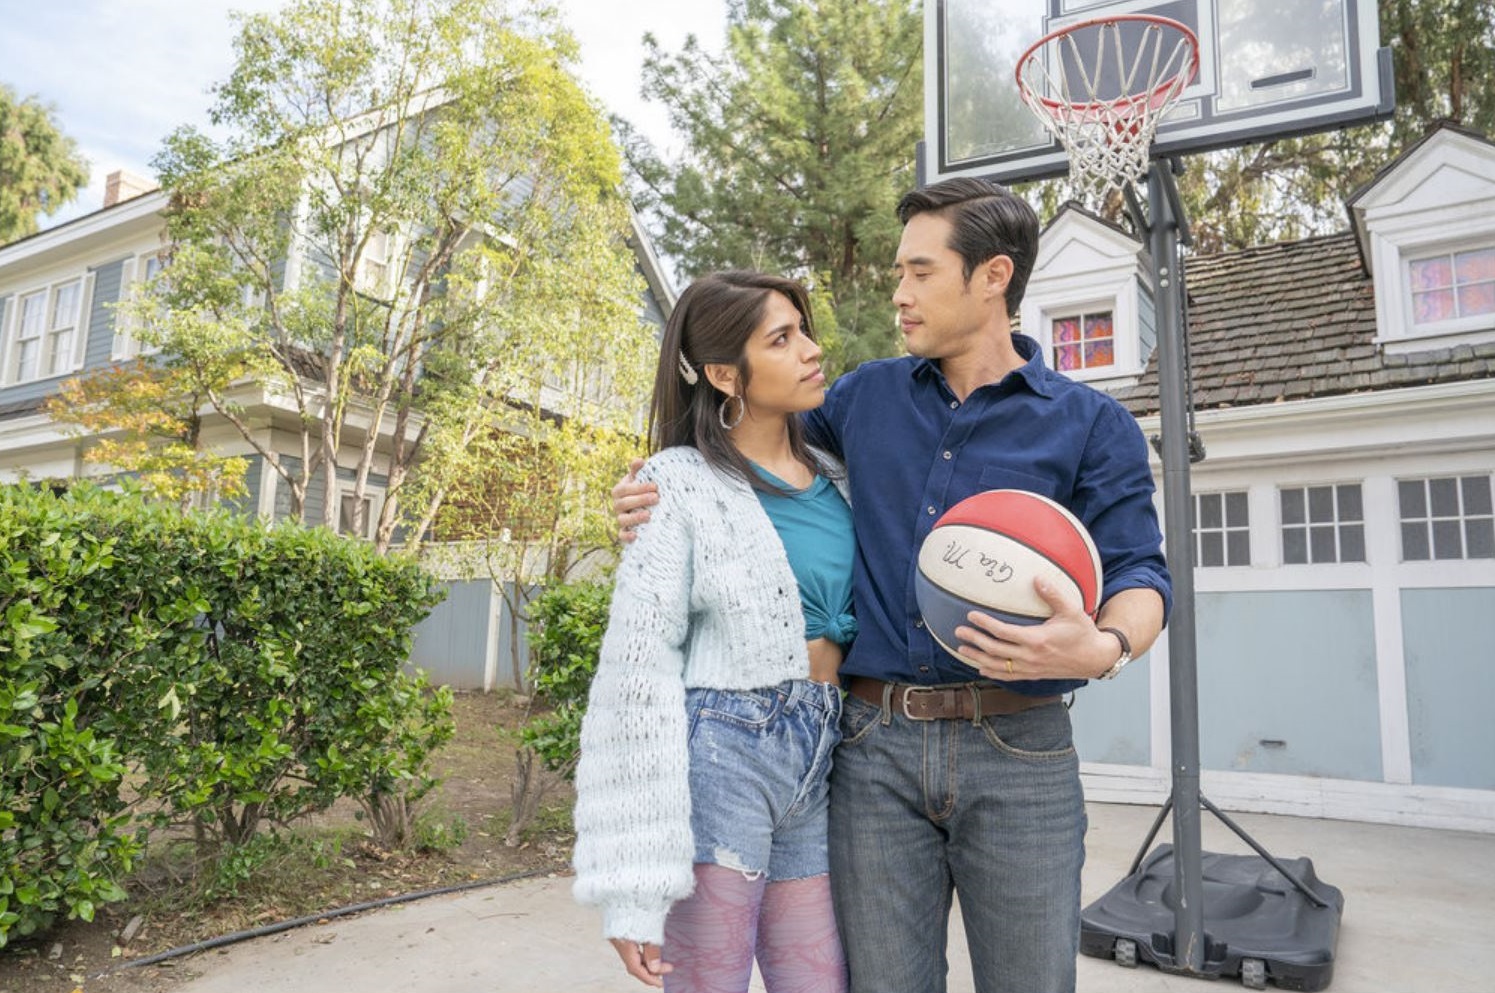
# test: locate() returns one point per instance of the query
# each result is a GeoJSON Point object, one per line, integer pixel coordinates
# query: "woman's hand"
{"type": "Point", "coordinates": [632, 500]}
{"type": "Point", "coordinates": [643, 961]}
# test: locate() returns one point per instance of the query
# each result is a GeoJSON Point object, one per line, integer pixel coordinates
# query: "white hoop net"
{"type": "Point", "coordinates": [1102, 91]}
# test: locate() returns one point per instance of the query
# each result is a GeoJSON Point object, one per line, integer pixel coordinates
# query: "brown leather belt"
{"type": "Point", "coordinates": [932, 703]}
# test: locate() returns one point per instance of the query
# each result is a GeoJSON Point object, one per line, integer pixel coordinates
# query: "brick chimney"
{"type": "Point", "coordinates": [120, 186]}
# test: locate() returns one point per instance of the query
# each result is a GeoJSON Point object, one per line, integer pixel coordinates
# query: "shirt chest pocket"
{"type": "Point", "coordinates": [996, 477]}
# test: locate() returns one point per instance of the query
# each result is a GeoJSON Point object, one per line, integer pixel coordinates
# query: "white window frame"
{"type": "Point", "coordinates": [1307, 524]}
{"type": "Point", "coordinates": [1392, 251]}
{"type": "Point", "coordinates": [51, 363]}
{"type": "Point", "coordinates": [375, 497]}
{"type": "Point", "coordinates": [1454, 325]}
{"type": "Point", "coordinates": [1462, 518]}
{"type": "Point", "coordinates": [378, 285]}
{"type": "Point", "coordinates": [126, 345]}
{"type": "Point", "coordinates": [1058, 301]}
{"type": "Point", "coordinates": [1055, 316]}
{"type": "Point", "coordinates": [1225, 530]}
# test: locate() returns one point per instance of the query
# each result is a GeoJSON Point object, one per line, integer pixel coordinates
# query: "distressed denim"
{"type": "Point", "coordinates": [992, 811]}
{"type": "Point", "coordinates": [758, 765]}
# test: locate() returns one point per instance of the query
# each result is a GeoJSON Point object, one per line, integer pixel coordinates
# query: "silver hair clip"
{"type": "Point", "coordinates": [686, 372]}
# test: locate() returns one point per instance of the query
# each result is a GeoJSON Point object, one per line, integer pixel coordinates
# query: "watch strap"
{"type": "Point", "coordinates": [1126, 653]}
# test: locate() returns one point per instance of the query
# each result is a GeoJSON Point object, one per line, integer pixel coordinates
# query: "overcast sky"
{"type": "Point", "coordinates": [123, 74]}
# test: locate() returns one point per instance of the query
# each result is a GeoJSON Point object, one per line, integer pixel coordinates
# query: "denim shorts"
{"type": "Point", "coordinates": [758, 765]}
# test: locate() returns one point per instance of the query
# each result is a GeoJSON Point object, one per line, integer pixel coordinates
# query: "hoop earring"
{"type": "Point", "coordinates": [721, 412]}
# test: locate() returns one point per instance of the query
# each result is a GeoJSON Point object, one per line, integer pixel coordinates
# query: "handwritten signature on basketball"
{"type": "Point", "coordinates": [995, 569]}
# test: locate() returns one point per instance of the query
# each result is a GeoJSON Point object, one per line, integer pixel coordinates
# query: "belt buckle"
{"type": "Point", "coordinates": [903, 702]}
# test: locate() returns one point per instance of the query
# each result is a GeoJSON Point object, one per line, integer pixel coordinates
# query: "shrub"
{"type": "Point", "coordinates": [566, 640]}
{"type": "Point", "coordinates": [247, 675]}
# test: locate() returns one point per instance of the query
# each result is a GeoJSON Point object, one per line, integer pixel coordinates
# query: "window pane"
{"type": "Point", "coordinates": [1435, 306]}
{"type": "Point", "coordinates": [1472, 267]}
{"type": "Point", "coordinates": [1098, 325]}
{"type": "Point", "coordinates": [62, 352]}
{"type": "Point", "coordinates": [1352, 543]}
{"type": "Point", "coordinates": [33, 315]}
{"type": "Point", "coordinates": [1292, 507]}
{"type": "Point", "coordinates": [1099, 354]}
{"type": "Point", "coordinates": [1412, 496]}
{"type": "Point", "coordinates": [65, 306]}
{"type": "Point", "coordinates": [1476, 495]}
{"type": "Point", "coordinates": [1294, 546]}
{"type": "Point", "coordinates": [1350, 508]}
{"type": "Point", "coordinates": [1480, 538]}
{"type": "Point", "coordinates": [1321, 543]}
{"type": "Point", "coordinates": [1066, 330]}
{"type": "Point", "coordinates": [1445, 497]}
{"type": "Point", "coordinates": [1238, 548]}
{"type": "Point", "coordinates": [1209, 511]}
{"type": "Point", "coordinates": [1477, 299]}
{"type": "Point", "coordinates": [27, 352]}
{"type": "Point", "coordinates": [1212, 550]}
{"type": "Point", "coordinates": [1320, 504]}
{"type": "Point", "coordinates": [1235, 510]}
{"type": "Point", "coordinates": [1067, 358]}
{"type": "Point", "coordinates": [1415, 547]}
{"type": "Point", "coordinates": [1448, 540]}
{"type": "Point", "coordinates": [1430, 274]}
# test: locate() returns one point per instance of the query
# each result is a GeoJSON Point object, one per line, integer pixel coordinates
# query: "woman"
{"type": "Point", "coordinates": [701, 793]}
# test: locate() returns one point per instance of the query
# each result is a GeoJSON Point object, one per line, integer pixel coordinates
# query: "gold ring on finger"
{"type": "Point", "coordinates": [1009, 667]}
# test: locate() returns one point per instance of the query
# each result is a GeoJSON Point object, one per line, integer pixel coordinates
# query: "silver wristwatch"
{"type": "Point", "coordinates": [1126, 654]}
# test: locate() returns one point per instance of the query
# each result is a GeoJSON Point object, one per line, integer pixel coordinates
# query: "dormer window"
{"type": "Point", "coordinates": [1085, 341]}
{"type": "Point", "coordinates": [1451, 287]}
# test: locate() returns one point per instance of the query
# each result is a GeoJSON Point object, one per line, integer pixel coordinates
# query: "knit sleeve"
{"type": "Point", "coordinates": [634, 849]}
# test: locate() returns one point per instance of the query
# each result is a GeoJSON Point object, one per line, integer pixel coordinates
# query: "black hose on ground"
{"type": "Point", "coordinates": [260, 932]}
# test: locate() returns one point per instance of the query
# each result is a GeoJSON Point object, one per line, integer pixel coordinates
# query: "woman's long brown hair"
{"type": "Point", "coordinates": [711, 324]}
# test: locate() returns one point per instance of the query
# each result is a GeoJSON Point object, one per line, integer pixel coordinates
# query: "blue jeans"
{"type": "Point", "coordinates": [758, 764]}
{"type": "Point", "coordinates": [991, 811]}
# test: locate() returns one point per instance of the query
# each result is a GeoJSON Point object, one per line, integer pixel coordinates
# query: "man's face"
{"type": "Point", "coordinates": [940, 312]}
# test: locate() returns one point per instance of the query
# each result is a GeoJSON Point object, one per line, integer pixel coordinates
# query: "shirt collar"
{"type": "Point", "coordinates": [1033, 371]}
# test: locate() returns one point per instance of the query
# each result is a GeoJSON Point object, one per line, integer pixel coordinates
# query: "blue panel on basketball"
{"type": "Point", "coordinates": [987, 550]}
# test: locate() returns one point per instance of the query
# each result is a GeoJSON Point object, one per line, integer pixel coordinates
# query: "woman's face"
{"type": "Point", "coordinates": [783, 362]}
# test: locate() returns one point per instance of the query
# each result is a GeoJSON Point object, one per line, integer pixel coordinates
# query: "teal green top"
{"type": "Point", "coordinates": [815, 526]}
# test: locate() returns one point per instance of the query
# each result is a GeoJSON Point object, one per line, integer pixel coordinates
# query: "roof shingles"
{"type": "Point", "coordinates": [1291, 321]}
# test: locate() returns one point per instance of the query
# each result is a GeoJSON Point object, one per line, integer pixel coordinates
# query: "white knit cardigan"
{"type": "Point", "coordinates": [704, 597]}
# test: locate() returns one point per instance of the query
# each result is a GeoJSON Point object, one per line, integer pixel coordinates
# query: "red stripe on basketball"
{"type": "Point", "coordinates": [1058, 537]}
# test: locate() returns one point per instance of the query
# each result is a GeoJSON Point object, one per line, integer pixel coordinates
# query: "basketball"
{"type": "Point", "coordinates": [985, 552]}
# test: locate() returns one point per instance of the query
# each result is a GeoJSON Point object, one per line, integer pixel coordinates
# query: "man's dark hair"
{"type": "Point", "coordinates": [986, 220]}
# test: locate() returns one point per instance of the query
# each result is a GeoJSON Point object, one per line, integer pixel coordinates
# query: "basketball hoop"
{"type": "Point", "coordinates": [1102, 91]}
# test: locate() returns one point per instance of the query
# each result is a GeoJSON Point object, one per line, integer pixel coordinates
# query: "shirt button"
{"type": "Point", "coordinates": [919, 624]}
{"type": "Point", "coordinates": [923, 668]}
{"type": "Point", "coordinates": [931, 511]}
{"type": "Point", "coordinates": [954, 404]}
{"type": "Point", "coordinates": [948, 456]}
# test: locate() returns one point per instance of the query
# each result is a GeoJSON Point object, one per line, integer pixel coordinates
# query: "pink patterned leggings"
{"type": "Point", "coordinates": [712, 938]}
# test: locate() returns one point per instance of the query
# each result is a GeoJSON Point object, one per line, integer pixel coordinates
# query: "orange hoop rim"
{"type": "Point", "coordinates": [1150, 97]}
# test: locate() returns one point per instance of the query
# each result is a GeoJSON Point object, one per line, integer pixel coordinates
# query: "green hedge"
{"type": "Point", "coordinates": [566, 640]}
{"type": "Point", "coordinates": [240, 675]}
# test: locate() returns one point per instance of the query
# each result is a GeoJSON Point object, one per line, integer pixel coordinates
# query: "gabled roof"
{"type": "Point", "coordinates": [1291, 321]}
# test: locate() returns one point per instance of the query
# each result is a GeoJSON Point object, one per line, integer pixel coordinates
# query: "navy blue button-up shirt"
{"type": "Point", "coordinates": [912, 450]}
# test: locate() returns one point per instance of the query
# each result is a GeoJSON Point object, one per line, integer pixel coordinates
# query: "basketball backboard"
{"type": "Point", "coordinates": [1267, 69]}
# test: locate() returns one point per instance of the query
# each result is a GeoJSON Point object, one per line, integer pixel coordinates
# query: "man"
{"type": "Point", "coordinates": [929, 795]}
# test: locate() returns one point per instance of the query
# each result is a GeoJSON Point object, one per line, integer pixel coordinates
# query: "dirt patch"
{"type": "Point", "coordinates": [329, 864]}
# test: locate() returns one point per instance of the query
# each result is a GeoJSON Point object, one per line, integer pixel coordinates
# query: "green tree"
{"type": "Point", "coordinates": [799, 142]}
{"type": "Point", "coordinates": [40, 168]}
{"type": "Point", "coordinates": [415, 205]}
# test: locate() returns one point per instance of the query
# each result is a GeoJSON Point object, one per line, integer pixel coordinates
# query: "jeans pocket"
{"type": "Point", "coordinates": [751, 710]}
{"type": "Point", "coordinates": [1043, 733]}
{"type": "Point", "coordinates": [858, 720]}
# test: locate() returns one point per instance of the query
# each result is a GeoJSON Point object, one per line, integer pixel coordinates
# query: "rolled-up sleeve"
{"type": "Point", "coordinates": [1113, 497]}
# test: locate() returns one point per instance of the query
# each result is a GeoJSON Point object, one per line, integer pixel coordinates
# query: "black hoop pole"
{"type": "Point", "coordinates": [1178, 510]}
